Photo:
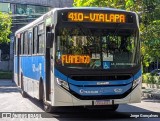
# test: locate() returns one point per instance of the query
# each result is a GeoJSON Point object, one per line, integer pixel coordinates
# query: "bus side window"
{"type": "Point", "coordinates": [22, 46]}
{"type": "Point", "coordinates": [15, 46]}
{"type": "Point", "coordinates": [35, 37]}
{"type": "Point", "coordinates": [26, 43]}
{"type": "Point", "coordinates": [30, 43]}
{"type": "Point", "coordinates": [41, 43]}
{"type": "Point", "coordinates": [19, 45]}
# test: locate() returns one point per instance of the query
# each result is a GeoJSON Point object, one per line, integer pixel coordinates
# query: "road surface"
{"type": "Point", "coordinates": [12, 101]}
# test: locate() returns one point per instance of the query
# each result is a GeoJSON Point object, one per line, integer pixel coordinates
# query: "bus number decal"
{"type": "Point", "coordinates": [75, 16]}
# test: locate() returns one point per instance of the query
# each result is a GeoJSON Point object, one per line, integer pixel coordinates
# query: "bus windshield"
{"type": "Point", "coordinates": [95, 48]}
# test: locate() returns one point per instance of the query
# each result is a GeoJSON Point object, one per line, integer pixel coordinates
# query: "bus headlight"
{"type": "Point", "coordinates": [136, 82]}
{"type": "Point", "coordinates": [62, 83]}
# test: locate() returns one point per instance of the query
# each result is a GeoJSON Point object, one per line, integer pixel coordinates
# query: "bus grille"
{"type": "Point", "coordinates": [99, 78]}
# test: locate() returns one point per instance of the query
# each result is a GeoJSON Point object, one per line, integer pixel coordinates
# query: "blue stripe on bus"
{"type": "Point", "coordinates": [15, 64]}
{"type": "Point", "coordinates": [137, 75]}
{"type": "Point", "coordinates": [80, 87]}
{"type": "Point", "coordinates": [89, 91]}
{"type": "Point", "coordinates": [115, 82]}
{"type": "Point", "coordinates": [32, 66]}
{"type": "Point", "coordinates": [82, 83]}
{"type": "Point", "coordinates": [60, 75]}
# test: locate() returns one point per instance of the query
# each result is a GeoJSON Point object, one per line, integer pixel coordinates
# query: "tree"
{"type": "Point", "coordinates": [5, 27]}
{"type": "Point", "coordinates": [150, 33]}
{"type": "Point", "coordinates": [119, 4]}
{"type": "Point", "coordinates": [100, 3]}
{"type": "Point", "coordinates": [148, 10]}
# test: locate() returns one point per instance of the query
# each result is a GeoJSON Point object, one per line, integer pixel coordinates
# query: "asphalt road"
{"type": "Point", "coordinates": [12, 101]}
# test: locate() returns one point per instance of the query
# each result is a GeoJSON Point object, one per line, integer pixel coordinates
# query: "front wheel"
{"type": "Point", "coordinates": [24, 94]}
{"type": "Point", "coordinates": [47, 108]}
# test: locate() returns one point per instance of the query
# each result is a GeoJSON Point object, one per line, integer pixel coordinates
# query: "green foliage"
{"type": "Point", "coordinates": [149, 79]}
{"type": "Point", "coordinates": [148, 11]}
{"type": "Point", "coordinates": [131, 5]}
{"type": "Point", "coordinates": [5, 75]}
{"type": "Point", "coordinates": [150, 34]}
{"type": "Point", "coordinates": [145, 78]}
{"type": "Point", "coordinates": [100, 3]}
{"type": "Point", "coordinates": [5, 27]}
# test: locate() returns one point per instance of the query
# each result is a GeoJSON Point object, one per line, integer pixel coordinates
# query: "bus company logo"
{"type": "Point", "coordinates": [6, 115]}
{"type": "Point", "coordinates": [82, 91]}
{"type": "Point", "coordinates": [118, 90]}
{"type": "Point", "coordinates": [38, 68]}
{"type": "Point", "coordinates": [102, 83]}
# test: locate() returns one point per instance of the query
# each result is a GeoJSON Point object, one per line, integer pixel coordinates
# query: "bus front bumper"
{"type": "Point", "coordinates": [61, 97]}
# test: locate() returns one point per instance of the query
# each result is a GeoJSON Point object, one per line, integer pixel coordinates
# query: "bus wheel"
{"type": "Point", "coordinates": [41, 90]}
{"type": "Point", "coordinates": [114, 107]}
{"type": "Point", "coordinates": [24, 94]}
{"type": "Point", "coordinates": [47, 107]}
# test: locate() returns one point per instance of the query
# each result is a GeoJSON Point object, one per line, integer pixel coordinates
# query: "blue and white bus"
{"type": "Point", "coordinates": [80, 57]}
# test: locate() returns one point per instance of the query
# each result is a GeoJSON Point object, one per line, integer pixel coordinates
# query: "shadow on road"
{"type": "Point", "coordinates": [79, 113]}
{"type": "Point", "coordinates": [7, 86]}
{"type": "Point", "coordinates": [124, 112]}
{"type": "Point", "coordinates": [151, 100]}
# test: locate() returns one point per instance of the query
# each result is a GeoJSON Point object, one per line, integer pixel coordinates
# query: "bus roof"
{"type": "Point", "coordinates": [40, 19]}
{"type": "Point", "coordinates": [95, 8]}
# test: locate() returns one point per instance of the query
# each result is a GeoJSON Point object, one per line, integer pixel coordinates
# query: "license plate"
{"type": "Point", "coordinates": [103, 102]}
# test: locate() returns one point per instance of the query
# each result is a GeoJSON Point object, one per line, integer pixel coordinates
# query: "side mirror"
{"type": "Point", "coordinates": [49, 40]}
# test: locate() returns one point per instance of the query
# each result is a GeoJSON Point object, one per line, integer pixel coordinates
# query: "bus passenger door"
{"type": "Point", "coordinates": [48, 64]}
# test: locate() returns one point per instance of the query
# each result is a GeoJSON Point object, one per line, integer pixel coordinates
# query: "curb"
{"type": "Point", "coordinates": [6, 80]}
{"type": "Point", "coordinates": [151, 94]}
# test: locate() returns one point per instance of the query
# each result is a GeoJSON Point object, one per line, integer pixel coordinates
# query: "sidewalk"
{"type": "Point", "coordinates": [148, 92]}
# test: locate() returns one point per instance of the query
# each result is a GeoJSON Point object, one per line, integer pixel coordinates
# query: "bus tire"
{"type": "Point", "coordinates": [41, 90]}
{"type": "Point", "coordinates": [114, 107]}
{"type": "Point", "coordinates": [46, 107]}
{"type": "Point", "coordinates": [24, 94]}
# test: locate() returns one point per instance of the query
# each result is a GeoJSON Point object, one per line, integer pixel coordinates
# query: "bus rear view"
{"type": "Point", "coordinates": [97, 58]}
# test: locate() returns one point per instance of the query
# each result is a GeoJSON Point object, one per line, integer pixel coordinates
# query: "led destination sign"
{"type": "Point", "coordinates": [96, 17]}
{"type": "Point", "coordinates": [75, 59]}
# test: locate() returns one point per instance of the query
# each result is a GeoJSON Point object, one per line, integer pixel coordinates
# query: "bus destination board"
{"type": "Point", "coordinates": [96, 17]}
